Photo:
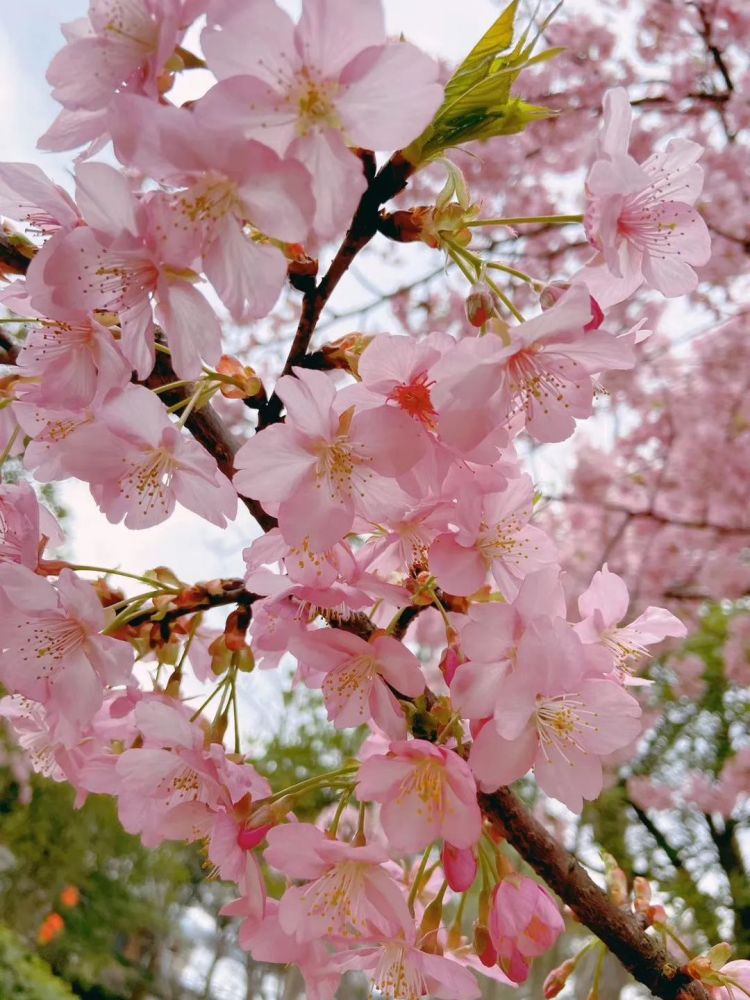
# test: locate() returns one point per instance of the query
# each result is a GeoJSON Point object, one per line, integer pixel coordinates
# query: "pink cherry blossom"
{"type": "Point", "coordinates": [347, 893]}
{"type": "Point", "coordinates": [493, 536]}
{"type": "Point", "coordinates": [175, 785]}
{"type": "Point", "coordinates": [490, 640]}
{"type": "Point", "coordinates": [73, 362]}
{"type": "Point", "coordinates": [427, 792]}
{"type": "Point", "coordinates": [360, 677]}
{"type": "Point", "coordinates": [738, 981]}
{"type": "Point", "coordinates": [524, 923]}
{"type": "Point", "coordinates": [29, 196]}
{"type": "Point", "coordinates": [640, 218]}
{"type": "Point", "coordinates": [26, 526]}
{"type": "Point", "coordinates": [140, 471]}
{"type": "Point", "coordinates": [315, 88]}
{"type": "Point", "coordinates": [226, 184]}
{"type": "Point", "coordinates": [554, 716]}
{"type": "Point", "coordinates": [398, 969]}
{"type": "Point", "coordinates": [267, 942]}
{"type": "Point", "coordinates": [320, 467]}
{"type": "Point", "coordinates": [120, 45]}
{"type": "Point", "coordinates": [604, 604]}
{"type": "Point", "coordinates": [542, 375]}
{"type": "Point", "coordinates": [52, 648]}
{"type": "Point", "coordinates": [133, 258]}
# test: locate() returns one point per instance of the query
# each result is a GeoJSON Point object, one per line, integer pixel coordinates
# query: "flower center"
{"type": "Point", "coordinates": [395, 977]}
{"type": "Point", "coordinates": [560, 724]}
{"type": "Point", "coordinates": [530, 382]}
{"type": "Point", "coordinates": [148, 483]}
{"type": "Point", "coordinates": [415, 400]}
{"type": "Point", "coordinates": [336, 897]}
{"type": "Point", "coordinates": [314, 100]}
{"type": "Point", "coordinates": [337, 461]}
{"type": "Point", "coordinates": [213, 197]}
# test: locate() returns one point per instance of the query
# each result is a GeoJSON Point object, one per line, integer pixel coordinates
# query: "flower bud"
{"type": "Point", "coordinates": [556, 980]}
{"type": "Point", "coordinates": [481, 304]}
{"type": "Point", "coordinates": [346, 351]}
{"type": "Point", "coordinates": [430, 925]}
{"type": "Point", "coordinates": [245, 384]}
{"type": "Point", "coordinates": [460, 867]}
{"type": "Point", "coordinates": [483, 947]}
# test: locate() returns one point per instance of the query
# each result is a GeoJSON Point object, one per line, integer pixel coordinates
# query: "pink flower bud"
{"type": "Point", "coordinates": [524, 923]}
{"type": "Point", "coordinates": [556, 980]}
{"type": "Point", "coordinates": [460, 867]}
{"type": "Point", "coordinates": [481, 304]}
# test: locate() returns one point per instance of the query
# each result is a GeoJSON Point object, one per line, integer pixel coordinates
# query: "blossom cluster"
{"type": "Point", "coordinates": [393, 488]}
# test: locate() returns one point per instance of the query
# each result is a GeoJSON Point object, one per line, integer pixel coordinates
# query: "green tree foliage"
{"type": "Point", "coordinates": [24, 976]}
{"type": "Point", "coordinates": [130, 897]}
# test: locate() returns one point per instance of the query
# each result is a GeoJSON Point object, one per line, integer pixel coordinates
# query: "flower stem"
{"type": "Point", "coordinates": [119, 572]}
{"type": "Point", "coordinates": [9, 446]}
{"type": "Point", "coordinates": [310, 784]}
{"type": "Point", "coordinates": [522, 220]}
{"type": "Point", "coordinates": [208, 700]}
{"type": "Point", "coordinates": [506, 269]}
{"type": "Point", "coordinates": [418, 877]}
{"type": "Point", "coordinates": [342, 803]}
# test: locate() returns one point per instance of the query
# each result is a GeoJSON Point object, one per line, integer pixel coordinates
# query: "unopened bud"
{"type": "Point", "coordinates": [656, 915]}
{"type": "Point", "coordinates": [244, 384]}
{"type": "Point", "coordinates": [346, 351]}
{"type": "Point", "coordinates": [556, 980]}
{"type": "Point", "coordinates": [481, 304]}
{"type": "Point", "coordinates": [483, 946]}
{"type": "Point", "coordinates": [235, 628]}
{"type": "Point", "coordinates": [428, 929]}
{"type": "Point", "coordinates": [617, 883]}
{"type": "Point", "coordinates": [460, 867]}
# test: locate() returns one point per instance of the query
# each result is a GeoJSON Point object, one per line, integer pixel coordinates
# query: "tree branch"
{"type": "Point", "coordinates": [387, 182]}
{"type": "Point", "coordinates": [641, 954]}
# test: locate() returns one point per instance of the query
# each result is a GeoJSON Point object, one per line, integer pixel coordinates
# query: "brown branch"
{"type": "Point", "coordinates": [195, 599]}
{"type": "Point", "coordinates": [12, 259]}
{"type": "Point", "coordinates": [388, 182]}
{"type": "Point", "coordinates": [641, 954]}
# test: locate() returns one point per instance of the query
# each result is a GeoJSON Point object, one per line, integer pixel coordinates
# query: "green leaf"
{"type": "Point", "coordinates": [478, 62]}
{"type": "Point", "coordinates": [478, 103]}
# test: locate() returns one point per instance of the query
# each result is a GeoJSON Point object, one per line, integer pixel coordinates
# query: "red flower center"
{"type": "Point", "coordinates": [414, 399]}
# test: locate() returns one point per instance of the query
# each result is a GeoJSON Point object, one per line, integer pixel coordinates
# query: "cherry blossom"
{"type": "Point", "coordinates": [427, 792]}
{"type": "Point", "coordinates": [494, 536]}
{"type": "Point", "coordinates": [139, 473]}
{"type": "Point", "coordinates": [640, 217]}
{"type": "Point", "coordinates": [604, 604]}
{"type": "Point", "coordinates": [348, 892]}
{"type": "Point", "coordinates": [315, 88]}
{"type": "Point", "coordinates": [52, 648]}
{"type": "Point", "coordinates": [555, 715]}
{"type": "Point", "coordinates": [360, 677]}
{"type": "Point", "coordinates": [325, 464]}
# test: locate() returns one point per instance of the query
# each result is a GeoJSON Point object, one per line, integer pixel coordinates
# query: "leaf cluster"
{"type": "Point", "coordinates": [478, 104]}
